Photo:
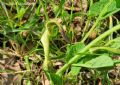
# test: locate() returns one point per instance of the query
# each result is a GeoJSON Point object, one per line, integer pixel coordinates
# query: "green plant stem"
{"type": "Point", "coordinates": [93, 27]}
{"type": "Point", "coordinates": [71, 15]}
{"type": "Point", "coordinates": [91, 2]}
{"type": "Point", "coordinates": [113, 50]}
{"type": "Point", "coordinates": [5, 9]}
{"type": "Point", "coordinates": [97, 21]}
{"type": "Point", "coordinates": [112, 41]}
{"type": "Point", "coordinates": [45, 9]}
{"type": "Point", "coordinates": [86, 27]}
{"type": "Point", "coordinates": [76, 57]}
{"type": "Point", "coordinates": [27, 62]}
{"type": "Point", "coordinates": [110, 26]}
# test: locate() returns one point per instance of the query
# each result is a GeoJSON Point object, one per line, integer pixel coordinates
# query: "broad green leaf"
{"type": "Point", "coordinates": [118, 3]}
{"type": "Point", "coordinates": [53, 78]}
{"type": "Point", "coordinates": [72, 50]}
{"type": "Point", "coordinates": [101, 61]}
{"type": "Point", "coordinates": [114, 43]}
{"type": "Point", "coordinates": [113, 8]}
{"type": "Point", "coordinates": [74, 71]}
{"type": "Point", "coordinates": [98, 7]}
{"type": "Point", "coordinates": [57, 80]}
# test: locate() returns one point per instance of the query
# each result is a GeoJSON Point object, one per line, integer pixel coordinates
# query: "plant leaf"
{"type": "Point", "coordinates": [118, 3]}
{"type": "Point", "coordinates": [98, 7]}
{"type": "Point", "coordinates": [73, 49]}
{"type": "Point", "coordinates": [74, 71]}
{"type": "Point", "coordinates": [97, 62]}
{"type": "Point", "coordinates": [114, 43]}
{"type": "Point", "coordinates": [53, 78]}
